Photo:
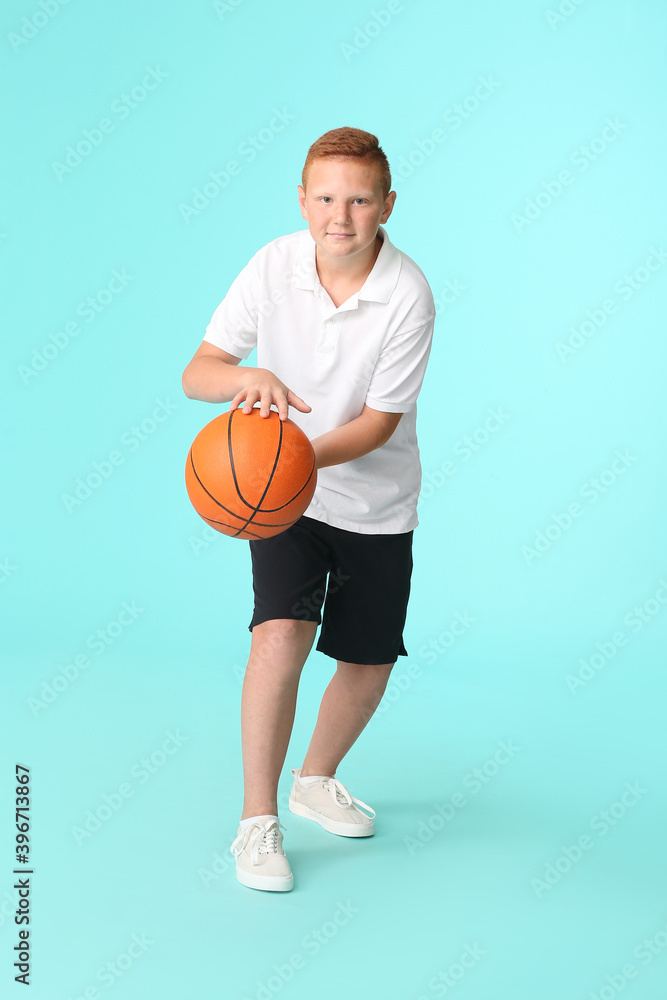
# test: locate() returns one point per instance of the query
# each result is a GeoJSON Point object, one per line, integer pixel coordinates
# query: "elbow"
{"type": "Point", "coordinates": [185, 382]}
{"type": "Point", "coordinates": [387, 431]}
{"type": "Point", "coordinates": [382, 424]}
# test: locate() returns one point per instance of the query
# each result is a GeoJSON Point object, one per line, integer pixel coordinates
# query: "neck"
{"type": "Point", "coordinates": [341, 270]}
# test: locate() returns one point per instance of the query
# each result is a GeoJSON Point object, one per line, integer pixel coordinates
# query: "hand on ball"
{"type": "Point", "coordinates": [266, 387]}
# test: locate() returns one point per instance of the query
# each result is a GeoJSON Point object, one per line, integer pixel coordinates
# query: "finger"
{"type": "Point", "coordinates": [283, 402]}
{"type": "Point", "coordinates": [265, 405]}
{"type": "Point", "coordinates": [237, 399]}
{"type": "Point", "coordinates": [251, 399]}
{"type": "Point", "coordinates": [298, 403]}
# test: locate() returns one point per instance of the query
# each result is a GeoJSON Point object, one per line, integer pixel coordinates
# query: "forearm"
{"type": "Point", "coordinates": [214, 381]}
{"type": "Point", "coordinates": [349, 441]}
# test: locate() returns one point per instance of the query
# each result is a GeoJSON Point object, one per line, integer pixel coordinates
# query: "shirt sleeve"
{"type": "Point", "coordinates": [233, 326]}
{"type": "Point", "coordinates": [399, 371]}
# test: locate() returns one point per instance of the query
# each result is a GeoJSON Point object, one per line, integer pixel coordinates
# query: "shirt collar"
{"type": "Point", "coordinates": [377, 287]}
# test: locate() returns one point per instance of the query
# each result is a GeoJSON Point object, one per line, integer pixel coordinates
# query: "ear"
{"type": "Point", "coordinates": [302, 201]}
{"type": "Point", "coordinates": [388, 206]}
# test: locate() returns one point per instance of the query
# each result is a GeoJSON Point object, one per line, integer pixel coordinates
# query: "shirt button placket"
{"type": "Point", "coordinates": [326, 336]}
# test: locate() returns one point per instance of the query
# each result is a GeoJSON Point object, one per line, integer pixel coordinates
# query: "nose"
{"type": "Point", "coordinates": [342, 215]}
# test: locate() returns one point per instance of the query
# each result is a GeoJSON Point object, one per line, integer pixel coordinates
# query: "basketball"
{"type": "Point", "coordinates": [250, 476]}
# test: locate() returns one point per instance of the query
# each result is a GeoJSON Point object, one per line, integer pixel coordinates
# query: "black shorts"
{"type": "Point", "coordinates": [365, 597]}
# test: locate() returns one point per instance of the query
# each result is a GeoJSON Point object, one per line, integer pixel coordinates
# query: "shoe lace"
{"type": "Point", "coordinates": [341, 795]}
{"type": "Point", "coordinates": [258, 838]}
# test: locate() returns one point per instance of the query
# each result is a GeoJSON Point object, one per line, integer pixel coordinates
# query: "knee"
{"type": "Point", "coordinates": [281, 635]}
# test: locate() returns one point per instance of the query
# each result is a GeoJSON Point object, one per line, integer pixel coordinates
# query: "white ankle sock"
{"type": "Point", "coordinates": [311, 779]}
{"type": "Point", "coordinates": [255, 819]}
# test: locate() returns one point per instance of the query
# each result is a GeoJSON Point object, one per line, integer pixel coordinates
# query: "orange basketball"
{"type": "Point", "coordinates": [250, 476]}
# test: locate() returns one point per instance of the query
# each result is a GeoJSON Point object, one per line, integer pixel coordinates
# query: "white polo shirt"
{"type": "Point", "coordinates": [371, 349]}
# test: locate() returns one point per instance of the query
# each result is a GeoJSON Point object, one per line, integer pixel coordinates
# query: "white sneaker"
{"type": "Point", "coordinates": [260, 860]}
{"type": "Point", "coordinates": [329, 803]}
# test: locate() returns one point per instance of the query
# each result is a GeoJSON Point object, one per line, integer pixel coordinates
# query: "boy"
{"type": "Point", "coordinates": [343, 322]}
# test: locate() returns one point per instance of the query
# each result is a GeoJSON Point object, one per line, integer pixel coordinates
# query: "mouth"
{"type": "Point", "coordinates": [340, 235]}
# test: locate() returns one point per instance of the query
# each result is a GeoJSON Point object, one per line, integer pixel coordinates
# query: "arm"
{"type": "Point", "coordinates": [370, 430]}
{"type": "Point", "coordinates": [213, 376]}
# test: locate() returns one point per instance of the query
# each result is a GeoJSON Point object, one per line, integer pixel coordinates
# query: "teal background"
{"type": "Point", "coordinates": [515, 263]}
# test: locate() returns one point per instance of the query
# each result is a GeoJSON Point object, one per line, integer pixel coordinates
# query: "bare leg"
{"type": "Point", "coordinates": [278, 651]}
{"type": "Point", "coordinates": [348, 703]}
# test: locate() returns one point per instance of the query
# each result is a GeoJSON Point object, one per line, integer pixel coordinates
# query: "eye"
{"type": "Point", "coordinates": [325, 198]}
{"type": "Point", "coordinates": [361, 199]}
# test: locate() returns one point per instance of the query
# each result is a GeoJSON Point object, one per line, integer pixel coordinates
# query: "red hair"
{"type": "Point", "coordinates": [352, 143]}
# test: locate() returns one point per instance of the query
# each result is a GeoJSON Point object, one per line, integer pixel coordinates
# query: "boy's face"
{"type": "Point", "coordinates": [344, 206]}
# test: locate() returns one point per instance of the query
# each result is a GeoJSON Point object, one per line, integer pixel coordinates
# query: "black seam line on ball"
{"type": "Point", "coordinates": [192, 463]}
{"type": "Point", "coordinates": [230, 454]}
{"type": "Point", "coordinates": [274, 510]}
{"type": "Point", "coordinates": [265, 510]}
{"type": "Point", "coordinates": [270, 480]}
{"type": "Point", "coordinates": [310, 476]}
{"type": "Point", "coordinates": [210, 520]}
{"type": "Point", "coordinates": [258, 524]}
